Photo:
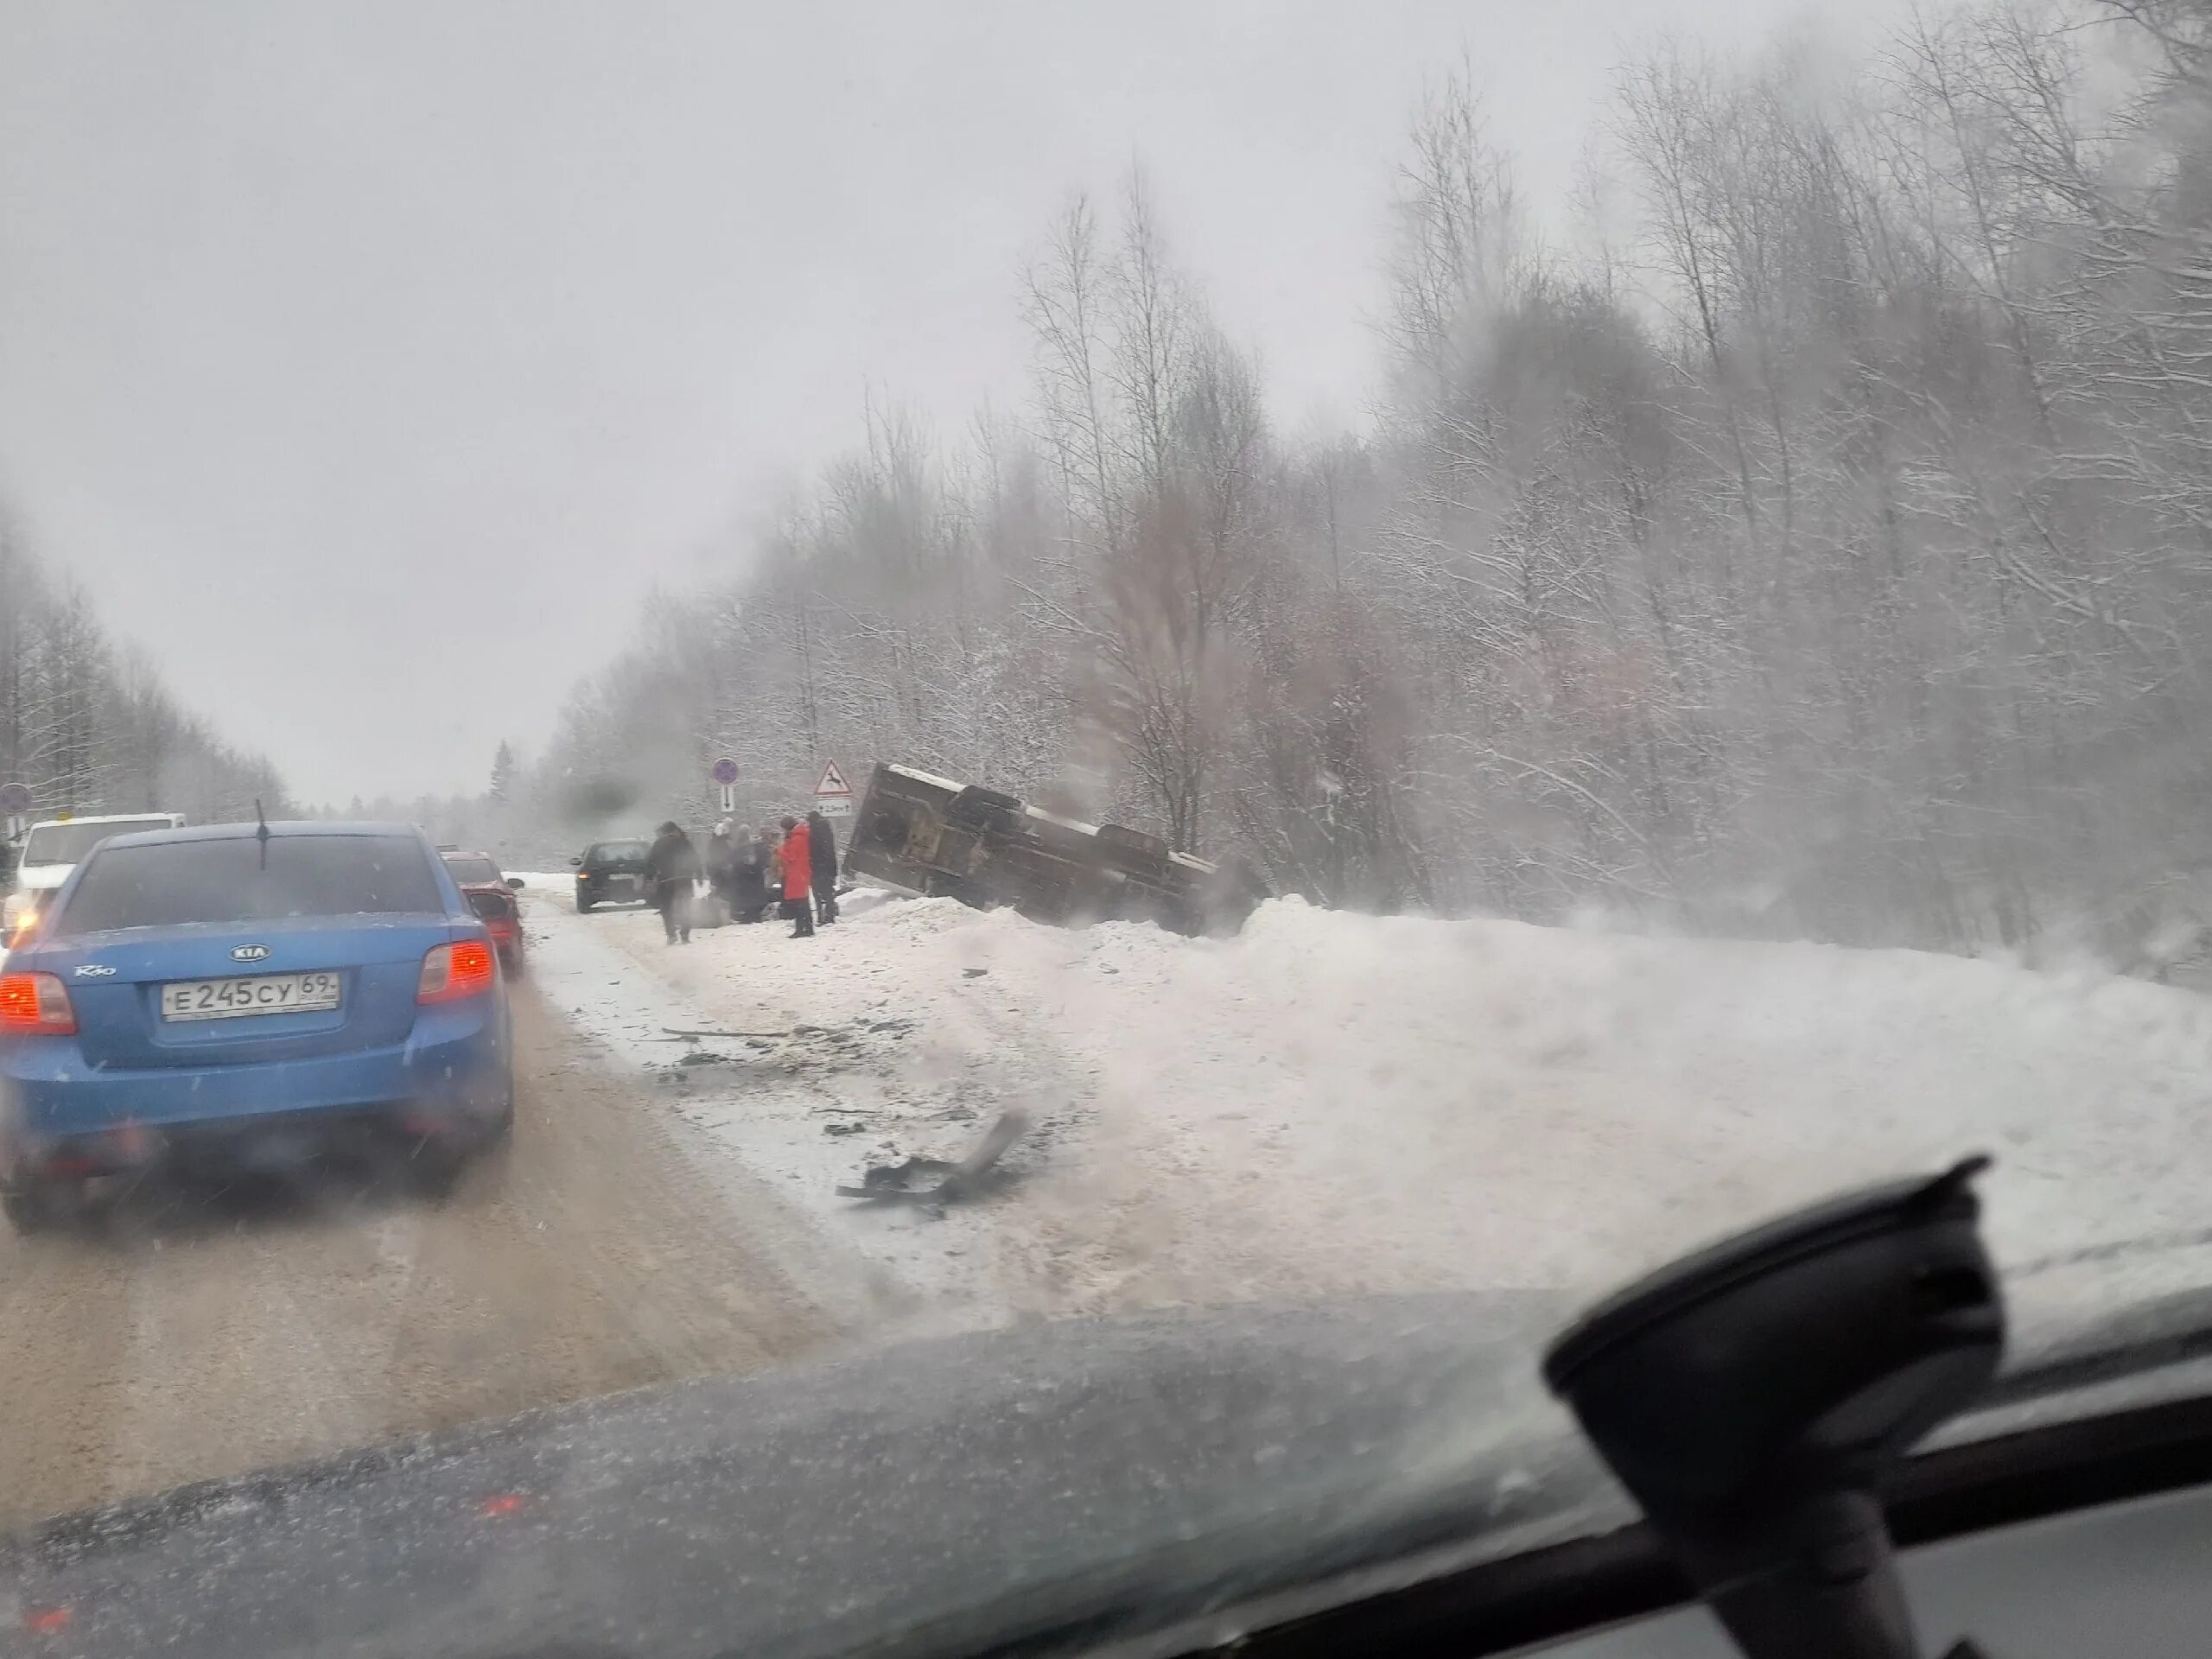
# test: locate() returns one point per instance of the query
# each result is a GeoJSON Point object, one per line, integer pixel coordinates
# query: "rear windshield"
{"type": "Point", "coordinates": [479, 870]}
{"type": "Point", "coordinates": [616, 852]}
{"type": "Point", "coordinates": [181, 882]}
{"type": "Point", "coordinates": [68, 843]}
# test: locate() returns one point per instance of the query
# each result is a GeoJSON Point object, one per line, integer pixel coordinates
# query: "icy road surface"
{"type": "Point", "coordinates": [586, 1257]}
{"type": "Point", "coordinates": [1333, 1104]}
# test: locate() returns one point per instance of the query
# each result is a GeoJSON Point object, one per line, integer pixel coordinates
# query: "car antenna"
{"type": "Point", "coordinates": [261, 830]}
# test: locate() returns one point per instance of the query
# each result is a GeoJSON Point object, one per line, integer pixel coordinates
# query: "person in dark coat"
{"type": "Point", "coordinates": [721, 865]}
{"type": "Point", "coordinates": [798, 876]}
{"type": "Point", "coordinates": [756, 864]}
{"type": "Point", "coordinates": [822, 850]}
{"type": "Point", "coordinates": [671, 866]}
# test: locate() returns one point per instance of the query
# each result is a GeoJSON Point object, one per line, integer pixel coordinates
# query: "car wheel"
{"type": "Point", "coordinates": [583, 905]}
{"type": "Point", "coordinates": [36, 1208]}
{"type": "Point", "coordinates": [435, 1171]}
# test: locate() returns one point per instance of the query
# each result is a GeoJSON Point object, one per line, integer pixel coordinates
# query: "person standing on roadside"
{"type": "Point", "coordinates": [671, 866]}
{"type": "Point", "coordinates": [756, 864]}
{"type": "Point", "coordinates": [821, 852]}
{"type": "Point", "coordinates": [721, 865]}
{"type": "Point", "coordinates": [799, 878]}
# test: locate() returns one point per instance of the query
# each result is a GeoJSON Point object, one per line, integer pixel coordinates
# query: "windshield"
{"type": "Point", "coordinates": [1215, 704]}
{"type": "Point", "coordinates": [68, 843]}
{"type": "Point", "coordinates": [188, 882]}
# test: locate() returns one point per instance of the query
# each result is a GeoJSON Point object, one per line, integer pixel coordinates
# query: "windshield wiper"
{"type": "Point", "coordinates": [2111, 1249]}
{"type": "Point", "coordinates": [2150, 1336]}
{"type": "Point", "coordinates": [1313, 1555]}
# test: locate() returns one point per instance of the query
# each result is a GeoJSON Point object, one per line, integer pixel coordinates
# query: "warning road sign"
{"type": "Point", "coordinates": [833, 785]}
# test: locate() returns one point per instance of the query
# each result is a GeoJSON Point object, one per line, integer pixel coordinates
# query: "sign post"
{"type": "Point", "coordinates": [833, 795]}
{"type": "Point", "coordinates": [16, 800]}
{"type": "Point", "coordinates": [725, 773]}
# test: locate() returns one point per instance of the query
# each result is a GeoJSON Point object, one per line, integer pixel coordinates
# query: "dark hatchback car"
{"type": "Point", "coordinates": [611, 873]}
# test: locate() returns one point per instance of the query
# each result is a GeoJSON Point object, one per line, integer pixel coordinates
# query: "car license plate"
{"type": "Point", "coordinates": [234, 999]}
{"type": "Point", "coordinates": [618, 884]}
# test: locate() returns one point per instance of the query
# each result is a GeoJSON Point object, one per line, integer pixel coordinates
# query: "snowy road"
{"type": "Point", "coordinates": [588, 1256]}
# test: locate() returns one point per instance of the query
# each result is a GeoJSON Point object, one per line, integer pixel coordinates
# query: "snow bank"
{"type": "Point", "coordinates": [1340, 1104]}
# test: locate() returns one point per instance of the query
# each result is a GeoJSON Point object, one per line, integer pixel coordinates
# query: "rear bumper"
{"type": "Point", "coordinates": [451, 1079]}
{"type": "Point", "coordinates": [271, 1143]}
{"type": "Point", "coordinates": [601, 891]}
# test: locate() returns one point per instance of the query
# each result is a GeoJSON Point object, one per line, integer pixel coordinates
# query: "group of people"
{"type": "Point", "coordinates": [793, 869]}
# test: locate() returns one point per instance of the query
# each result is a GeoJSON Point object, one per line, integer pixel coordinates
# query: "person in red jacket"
{"type": "Point", "coordinates": [798, 874]}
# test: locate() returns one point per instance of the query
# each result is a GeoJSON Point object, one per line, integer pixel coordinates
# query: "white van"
{"type": "Point", "coordinates": [56, 846]}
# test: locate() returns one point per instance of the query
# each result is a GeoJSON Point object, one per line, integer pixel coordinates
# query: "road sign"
{"type": "Point", "coordinates": [729, 798]}
{"type": "Point", "coordinates": [836, 806]}
{"type": "Point", "coordinates": [15, 798]}
{"type": "Point", "coordinates": [833, 785]}
{"type": "Point", "coordinates": [725, 772]}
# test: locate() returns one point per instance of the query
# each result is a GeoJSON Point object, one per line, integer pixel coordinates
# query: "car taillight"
{"type": "Point", "coordinates": [453, 971]}
{"type": "Point", "coordinates": [35, 1005]}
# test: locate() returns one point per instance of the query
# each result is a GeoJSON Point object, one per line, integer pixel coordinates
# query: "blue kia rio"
{"type": "Point", "coordinates": [248, 996]}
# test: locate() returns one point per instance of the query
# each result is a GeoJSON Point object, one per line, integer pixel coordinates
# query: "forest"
{"type": "Point", "coordinates": [1808, 535]}
{"type": "Point", "coordinates": [88, 726]}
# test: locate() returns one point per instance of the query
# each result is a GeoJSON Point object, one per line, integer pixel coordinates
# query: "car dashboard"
{"type": "Point", "coordinates": [2132, 1578]}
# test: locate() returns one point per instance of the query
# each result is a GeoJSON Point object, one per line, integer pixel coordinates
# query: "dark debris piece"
{"type": "Point", "coordinates": [899, 1183]}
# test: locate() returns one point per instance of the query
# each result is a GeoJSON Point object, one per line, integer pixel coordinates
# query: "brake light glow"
{"type": "Point", "coordinates": [35, 1005]}
{"type": "Point", "coordinates": [451, 972]}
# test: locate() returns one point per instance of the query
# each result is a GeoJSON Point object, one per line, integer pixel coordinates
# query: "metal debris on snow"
{"type": "Point", "coordinates": [895, 1183]}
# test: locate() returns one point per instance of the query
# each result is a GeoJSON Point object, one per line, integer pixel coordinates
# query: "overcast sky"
{"type": "Point", "coordinates": [367, 360]}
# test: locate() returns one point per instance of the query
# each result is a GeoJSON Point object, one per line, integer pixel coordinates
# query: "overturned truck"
{"type": "Point", "coordinates": [933, 837]}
